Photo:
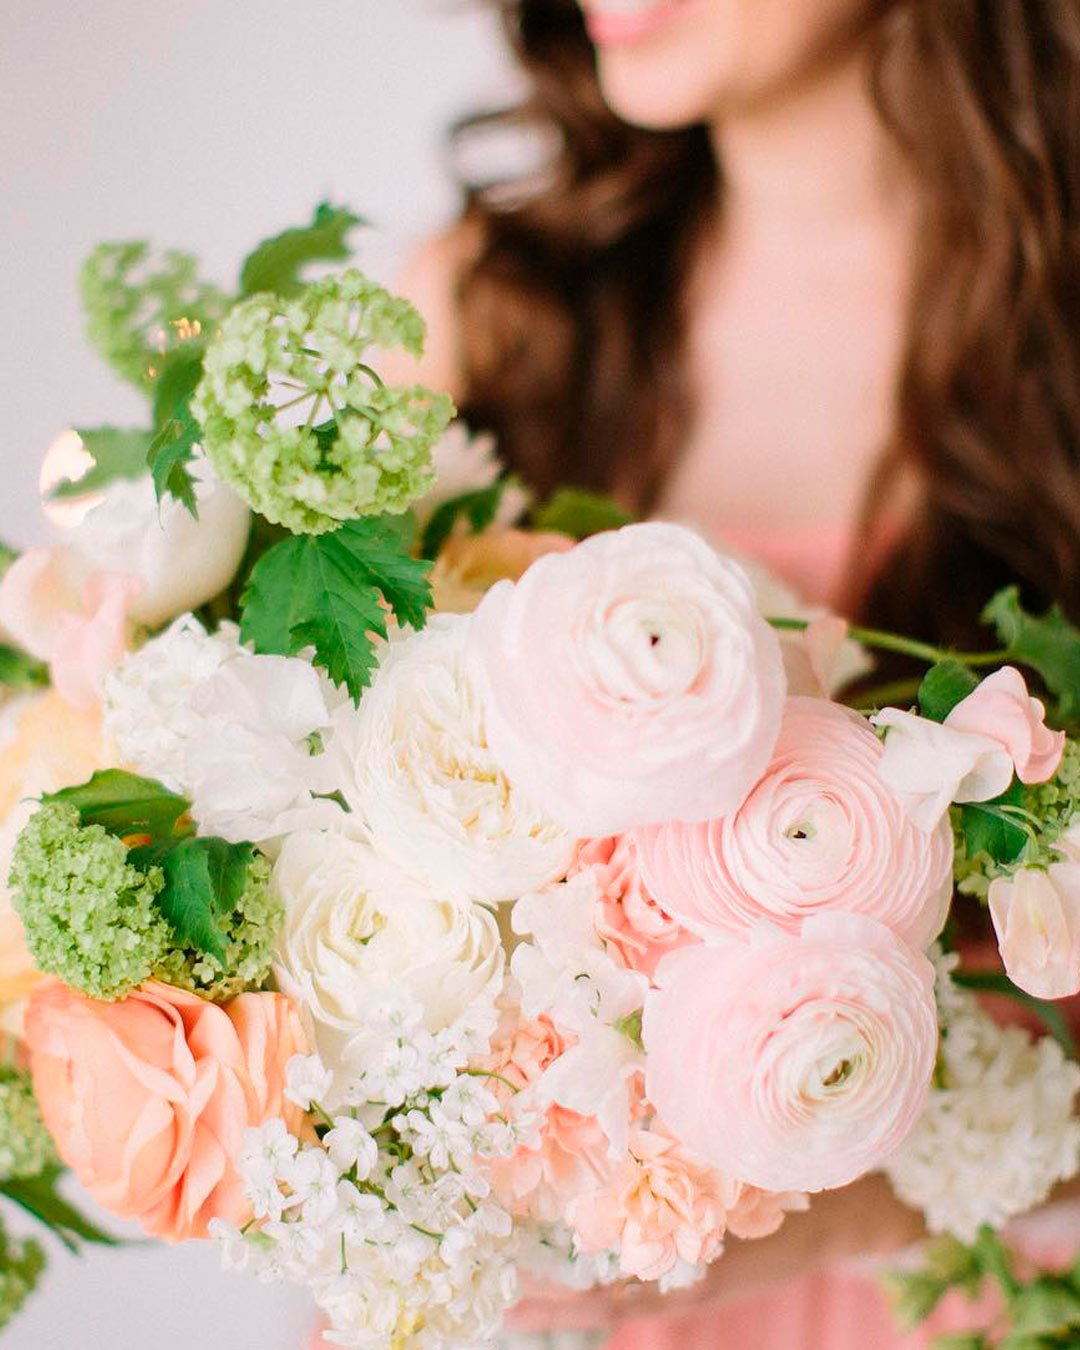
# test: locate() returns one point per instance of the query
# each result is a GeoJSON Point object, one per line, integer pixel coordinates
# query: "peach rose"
{"type": "Point", "coordinates": [469, 565]}
{"type": "Point", "coordinates": [1002, 709]}
{"type": "Point", "coordinates": [1036, 916]}
{"type": "Point", "coordinates": [637, 930]}
{"type": "Point", "coordinates": [793, 1063]}
{"type": "Point", "coordinates": [820, 831]}
{"type": "Point", "coordinates": [628, 681]}
{"type": "Point", "coordinates": [148, 1099]}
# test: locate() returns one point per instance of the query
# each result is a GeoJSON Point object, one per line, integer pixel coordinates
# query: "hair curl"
{"type": "Point", "coordinates": [573, 310]}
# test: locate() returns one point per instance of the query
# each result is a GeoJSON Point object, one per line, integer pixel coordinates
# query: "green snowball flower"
{"type": "Point", "coordinates": [1057, 803]}
{"type": "Point", "coordinates": [251, 932]}
{"type": "Point", "coordinates": [298, 422]}
{"type": "Point", "coordinates": [89, 915]}
{"type": "Point", "coordinates": [21, 1264]}
{"type": "Point", "coordinates": [26, 1146]}
{"type": "Point", "coordinates": [140, 306]}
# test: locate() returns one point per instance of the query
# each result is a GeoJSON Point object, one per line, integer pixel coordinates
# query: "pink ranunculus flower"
{"type": "Point", "coordinates": [570, 1152]}
{"type": "Point", "coordinates": [796, 1063]}
{"type": "Point", "coordinates": [148, 1099]}
{"type": "Point", "coordinates": [1002, 709]}
{"type": "Point", "coordinates": [1036, 916]}
{"type": "Point", "coordinates": [630, 680]}
{"type": "Point", "coordinates": [636, 928]}
{"type": "Point", "coordinates": [819, 832]}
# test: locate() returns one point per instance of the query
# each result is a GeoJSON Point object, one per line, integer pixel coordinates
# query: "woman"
{"type": "Point", "coordinates": [805, 273]}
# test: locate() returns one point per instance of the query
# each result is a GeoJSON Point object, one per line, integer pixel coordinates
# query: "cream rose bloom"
{"type": "Point", "coordinates": [360, 935]}
{"type": "Point", "coordinates": [414, 766]}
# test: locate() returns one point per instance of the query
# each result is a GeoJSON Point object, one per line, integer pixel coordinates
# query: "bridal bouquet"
{"type": "Point", "coordinates": [409, 900]}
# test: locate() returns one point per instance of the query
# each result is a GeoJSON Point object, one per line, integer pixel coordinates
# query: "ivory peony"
{"type": "Point", "coordinates": [1036, 916]}
{"type": "Point", "coordinates": [819, 832]}
{"type": "Point", "coordinates": [414, 764]}
{"type": "Point", "coordinates": [629, 681]}
{"type": "Point", "coordinates": [148, 1099]}
{"type": "Point", "coordinates": [810, 1057]}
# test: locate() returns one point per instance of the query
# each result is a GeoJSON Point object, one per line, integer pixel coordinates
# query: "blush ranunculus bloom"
{"type": "Point", "coordinates": [469, 565]}
{"type": "Point", "coordinates": [1036, 916]}
{"type": "Point", "coordinates": [819, 832]}
{"type": "Point", "coordinates": [660, 1207]}
{"type": "Point", "coordinates": [1002, 710]}
{"type": "Point", "coordinates": [629, 918]}
{"type": "Point", "coordinates": [148, 1099]}
{"type": "Point", "coordinates": [629, 681]}
{"type": "Point", "coordinates": [809, 1058]}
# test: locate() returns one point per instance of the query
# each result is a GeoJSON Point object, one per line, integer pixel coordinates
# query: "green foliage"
{"type": "Point", "coordinates": [127, 806]}
{"type": "Point", "coordinates": [277, 263]}
{"type": "Point", "coordinates": [7, 556]}
{"type": "Point", "coordinates": [479, 508]}
{"type": "Point", "coordinates": [21, 1264]}
{"type": "Point", "coordinates": [943, 687]}
{"type": "Point", "coordinates": [169, 454]}
{"type": "Point", "coordinates": [40, 1197]}
{"type": "Point", "coordinates": [26, 1147]}
{"type": "Point", "coordinates": [117, 452]}
{"type": "Point", "coordinates": [327, 591]}
{"type": "Point", "coordinates": [204, 880]}
{"type": "Point", "coordinates": [580, 514]}
{"type": "Point", "coordinates": [1050, 1014]}
{"type": "Point", "coordinates": [20, 671]}
{"type": "Point", "coordinates": [995, 827]}
{"type": "Point", "coordinates": [1049, 645]}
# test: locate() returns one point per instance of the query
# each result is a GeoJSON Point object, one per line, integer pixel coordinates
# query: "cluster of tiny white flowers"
{"type": "Point", "coordinates": [998, 1132]}
{"type": "Point", "coordinates": [387, 1217]}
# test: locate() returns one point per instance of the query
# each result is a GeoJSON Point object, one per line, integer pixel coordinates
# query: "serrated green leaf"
{"type": "Point", "coordinates": [175, 384]}
{"type": "Point", "coordinates": [170, 453]}
{"type": "Point", "coordinates": [204, 880]}
{"type": "Point", "coordinates": [943, 687]}
{"type": "Point", "coordinates": [19, 670]}
{"type": "Point", "coordinates": [39, 1197]}
{"type": "Point", "coordinates": [988, 829]}
{"type": "Point", "coordinates": [277, 263]}
{"type": "Point", "coordinates": [128, 806]}
{"type": "Point", "coordinates": [1050, 646]}
{"type": "Point", "coordinates": [580, 514]}
{"type": "Point", "coordinates": [478, 508]}
{"type": "Point", "coordinates": [117, 452]}
{"type": "Point", "coordinates": [324, 591]}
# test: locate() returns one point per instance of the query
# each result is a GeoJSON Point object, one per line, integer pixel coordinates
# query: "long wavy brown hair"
{"type": "Point", "coordinates": [574, 326]}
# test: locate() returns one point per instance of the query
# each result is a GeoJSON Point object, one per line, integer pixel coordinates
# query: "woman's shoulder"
{"type": "Point", "coordinates": [431, 279]}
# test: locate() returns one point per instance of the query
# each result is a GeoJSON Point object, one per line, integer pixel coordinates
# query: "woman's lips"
{"type": "Point", "coordinates": [616, 23]}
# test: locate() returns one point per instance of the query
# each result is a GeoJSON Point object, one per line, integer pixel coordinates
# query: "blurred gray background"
{"type": "Point", "coordinates": [203, 125]}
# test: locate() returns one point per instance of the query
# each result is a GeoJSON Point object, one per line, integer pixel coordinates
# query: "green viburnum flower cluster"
{"type": "Point", "coordinates": [251, 933]}
{"type": "Point", "coordinates": [89, 915]}
{"type": "Point", "coordinates": [294, 418]}
{"type": "Point", "coordinates": [21, 1264]}
{"type": "Point", "coordinates": [140, 306]}
{"type": "Point", "coordinates": [26, 1146]}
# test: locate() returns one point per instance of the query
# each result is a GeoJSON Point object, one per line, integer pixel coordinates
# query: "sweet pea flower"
{"type": "Point", "coordinates": [1002, 710]}
{"type": "Point", "coordinates": [809, 1057]}
{"type": "Point", "coordinates": [149, 1099]}
{"type": "Point", "coordinates": [630, 680]}
{"type": "Point", "coordinates": [1036, 917]}
{"type": "Point", "coordinates": [929, 764]}
{"type": "Point", "coordinates": [820, 831]}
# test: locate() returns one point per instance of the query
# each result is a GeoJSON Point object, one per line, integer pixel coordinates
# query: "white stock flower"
{"type": "Point", "coordinates": [414, 766]}
{"type": "Point", "coordinates": [928, 765]}
{"type": "Point", "coordinates": [359, 934]}
{"type": "Point", "coordinates": [230, 729]}
{"type": "Point", "coordinates": [1001, 1130]}
{"type": "Point", "coordinates": [182, 562]}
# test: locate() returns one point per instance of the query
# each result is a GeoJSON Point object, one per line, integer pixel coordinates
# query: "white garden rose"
{"type": "Point", "coordinates": [360, 936]}
{"type": "Point", "coordinates": [414, 766]}
{"type": "Point", "coordinates": [181, 561]}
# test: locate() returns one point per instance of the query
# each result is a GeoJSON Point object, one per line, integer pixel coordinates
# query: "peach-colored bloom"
{"type": "Point", "coordinates": [638, 931]}
{"type": "Point", "coordinates": [572, 1152]}
{"type": "Point", "coordinates": [1036, 917]}
{"type": "Point", "coordinates": [658, 1207]}
{"type": "Point", "coordinates": [1002, 709]}
{"type": "Point", "coordinates": [148, 1099]}
{"type": "Point", "coordinates": [819, 832]}
{"type": "Point", "coordinates": [469, 565]}
{"type": "Point", "coordinates": [796, 1063]}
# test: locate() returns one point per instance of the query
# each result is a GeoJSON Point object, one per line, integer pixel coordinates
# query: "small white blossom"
{"type": "Point", "coordinates": [351, 1147]}
{"type": "Point", "coordinates": [307, 1081]}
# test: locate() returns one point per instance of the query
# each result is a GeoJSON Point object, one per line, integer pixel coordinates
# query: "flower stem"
{"type": "Point", "coordinates": [879, 640]}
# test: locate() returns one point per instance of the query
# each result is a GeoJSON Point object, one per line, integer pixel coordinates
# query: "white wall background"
{"type": "Point", "coordinates": [204, 125]}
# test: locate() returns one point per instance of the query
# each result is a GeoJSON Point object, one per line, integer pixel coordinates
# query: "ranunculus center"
{"type": "Point", "coordinates": [646, 649]}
